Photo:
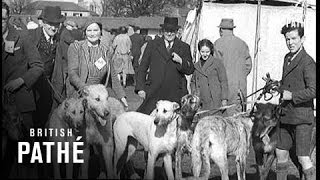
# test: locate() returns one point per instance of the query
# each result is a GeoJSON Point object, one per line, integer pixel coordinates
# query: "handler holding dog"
{"type": "Point", "coordinates": [299, 88]}
{"type": "Point", "coordinates": [169, 60]}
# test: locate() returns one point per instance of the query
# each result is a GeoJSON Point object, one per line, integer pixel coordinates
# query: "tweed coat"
{"type": "Point", "coordinates": [78, 72]}
{"type": "Point", "coordinates": [210, 81]}
{"type": "Point", "coordinates": [236, 58]}
{"type": "Point", "coordinates": [299, 77]}
{"type": "Point", "coordinates": [166, 78]}
{"type": "Point", "coordinates": [24, 62]}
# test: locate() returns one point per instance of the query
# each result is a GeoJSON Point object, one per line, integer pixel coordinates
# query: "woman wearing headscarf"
{"type": "Point", "coordinates": [89, 62]}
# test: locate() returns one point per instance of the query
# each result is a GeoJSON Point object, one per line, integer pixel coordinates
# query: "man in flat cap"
{"type": "Point", "coordinates": [236, 58]}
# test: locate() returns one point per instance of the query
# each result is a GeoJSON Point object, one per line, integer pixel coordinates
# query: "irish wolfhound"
{"type": "Point", "coordinates": [157, 134]}
{"type": "Point", "coordinates": [215, 138]}
{"type": "Point", "coordinates": [69, 114]}
{"type": "Point", "coordinates": [100, 112]}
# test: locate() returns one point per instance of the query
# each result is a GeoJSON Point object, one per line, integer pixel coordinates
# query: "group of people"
{"type": "Point", "coordinates": [43, 66]}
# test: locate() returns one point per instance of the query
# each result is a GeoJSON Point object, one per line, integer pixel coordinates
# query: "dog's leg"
{"type": "Point", "coordinates": [219, 156]}
{"type": "Point", "coordinates": [206, 165]}
{"type": "Point", "coordinates": [107, 150]}
{"type": "Point", "coordinates": [168, 166]}
{"type": "Point", "coordinates": [178, 154]}
{"type": "Point", "coordinates": [150, 166]}
{"type": "Point", "coordinates": [196, 155]}
{"type": "Point", "coordinates": [267, 166]}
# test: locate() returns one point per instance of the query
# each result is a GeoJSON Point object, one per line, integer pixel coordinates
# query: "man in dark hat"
{"type": "Point", "coordinates": [21, 67]}
{"type": "Point", "coordinates": [236, 58]}
{"type": "Point", "coordinates": [169, 60]}
{"type": "Point", "coordinates": [46, 38]}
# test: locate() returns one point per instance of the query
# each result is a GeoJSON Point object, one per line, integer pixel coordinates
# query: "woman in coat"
{"type": "Point", "coordinates": [209, 79]}
{"type": "Point", "coordinates": [122, 55]}
{"type": "Point", "coordinates": [89, 62]}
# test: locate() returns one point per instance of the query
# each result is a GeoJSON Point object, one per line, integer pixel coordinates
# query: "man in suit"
{"type": "Point", "coordinates": [46, 39]}
{"type": "Point", "coordinates": [236, 58]}
{"type": "Point", "coordinates": [169, 60]}
{"type": "Point", "coordinates": [21, 68]}
{"type": "Point", "coordinates": [137, 41]}
{"type": "Point", "coordinates": [299, 89]}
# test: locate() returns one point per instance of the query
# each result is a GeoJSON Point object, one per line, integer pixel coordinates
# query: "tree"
{"type": "Point", "coordinates": [17, 6]}
{"type": "Point", "coordinates": [135, 8]}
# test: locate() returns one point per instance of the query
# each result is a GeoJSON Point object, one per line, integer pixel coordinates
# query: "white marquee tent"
{"type": "Point", "coordinates": [271, 47]}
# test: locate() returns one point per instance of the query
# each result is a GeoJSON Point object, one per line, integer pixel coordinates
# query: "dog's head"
{"type": "Point", "coordinates": [96, 102]}
{"type": "Point", "coordinates": [190, 104]}
{"type": "Point", "coordinates": [165, 112]}
{"type": "Point", "coordinates": [266, 117]}
{"type": "Point", "coordinates": [74, 112]}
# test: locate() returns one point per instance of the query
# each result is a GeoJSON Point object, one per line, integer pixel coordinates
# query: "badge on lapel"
{"type": "Point", "coordinates": [9, 47]}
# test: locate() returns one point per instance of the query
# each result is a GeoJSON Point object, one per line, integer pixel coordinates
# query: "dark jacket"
{"type": "Point", "coordinates": [137, 42]}
{"type": "Point", "coordinates": [24, 62]}
{"type": "Point", "coordinates": [299, 77]}
{"type": "Point", "coordinates": [210, 80]}
{"type": "Point", "coordinates": [60, 69]}
{"type": "Point", "coordinates": [166, 79]}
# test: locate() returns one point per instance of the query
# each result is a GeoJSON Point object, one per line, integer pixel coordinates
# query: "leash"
{"type": "Point", "coordinates": [57, 96]}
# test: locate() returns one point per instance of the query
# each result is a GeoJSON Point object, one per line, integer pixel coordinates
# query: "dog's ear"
{"type": "Point", "coordinates": [85, 103]}
{"type": "Point", "coordinates": [176, 106]}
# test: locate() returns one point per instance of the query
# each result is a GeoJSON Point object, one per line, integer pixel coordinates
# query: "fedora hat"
{"type": "Point", "coordinates": [170, 23]}
{"type": "Point", "coordinates": [52, 14]}
{"type": "Point", "coordinates": [226, 24]}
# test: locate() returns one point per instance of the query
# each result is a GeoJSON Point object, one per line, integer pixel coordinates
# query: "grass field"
{"type": "Point", "coordinates": [134, 101]}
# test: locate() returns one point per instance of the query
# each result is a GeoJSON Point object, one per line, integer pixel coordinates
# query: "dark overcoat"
{"type": "Point", "coordinates": [137, 42]}
{"type": "Point", "coordinates": [299, 77]}
{"type": "Point", "coordinates": [210, 81]}
{"type": "Point", "coordinates": [24, 62]}
{"type": "Point", "coordinates": [166, 78]}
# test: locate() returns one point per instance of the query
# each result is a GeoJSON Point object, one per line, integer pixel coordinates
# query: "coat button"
{"type": "Point", "coordinates": [289, 85]}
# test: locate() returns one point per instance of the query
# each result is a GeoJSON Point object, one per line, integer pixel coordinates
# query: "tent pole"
{"type": "Point", "coordinates": [256, 49]}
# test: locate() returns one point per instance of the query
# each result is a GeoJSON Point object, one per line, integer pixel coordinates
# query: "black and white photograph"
{"type": "Point", "coordinates": [159, 89]}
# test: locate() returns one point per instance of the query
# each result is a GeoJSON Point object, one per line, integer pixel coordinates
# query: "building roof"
{"type": "Point", "coordinates": [65, 6]}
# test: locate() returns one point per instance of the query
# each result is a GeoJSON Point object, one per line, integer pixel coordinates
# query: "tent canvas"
{"type": "Point", "coordinates": [272, 47]}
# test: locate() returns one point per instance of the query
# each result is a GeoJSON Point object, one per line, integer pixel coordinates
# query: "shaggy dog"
{"type": "Point", "coordinates": [69, 114]}
{"type": "Point", "coordinates": [100, 113]}
{"type": "Point", "coordinates": [217, 137]}
{"type": "Point", "coordinates": [157, 134]}
{"type": "Point", "coordinates": [264, 138]}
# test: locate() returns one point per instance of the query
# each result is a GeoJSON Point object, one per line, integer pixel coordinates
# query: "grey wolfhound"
{"type": "Point", "coordinates": [217, 137]}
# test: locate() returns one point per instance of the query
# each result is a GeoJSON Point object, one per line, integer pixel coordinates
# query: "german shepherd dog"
{"type": "Point", "coordinates": [264, 138]}
{"type": "Point", "coordinates": [190, 104]}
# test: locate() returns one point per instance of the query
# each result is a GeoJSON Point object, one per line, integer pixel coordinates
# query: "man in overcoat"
{"type": "Point", "coordinates": [46, 39]}
{"type": "Point", "coordinates": [21, 68]}
{"type": "Point", "coordinates": [137, 41]}
{"type": "Point", "coordinates": [169, 60]}
{"type": "Point", "coordinates": [236, 58]}
{"type": "Point", "coordinates": [299, 89]}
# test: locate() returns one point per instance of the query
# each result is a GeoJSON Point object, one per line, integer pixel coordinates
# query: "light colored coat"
{"type": "Point", "coordinates": [236, 58]}
{"type": "Point", "coordinates": [210, 80]}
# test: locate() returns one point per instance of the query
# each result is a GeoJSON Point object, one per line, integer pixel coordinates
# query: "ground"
{"type": "Point", "coordinates": [134, 101]}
